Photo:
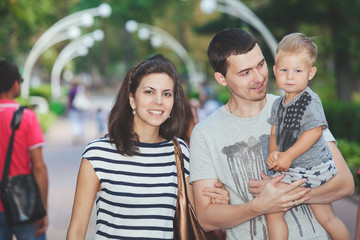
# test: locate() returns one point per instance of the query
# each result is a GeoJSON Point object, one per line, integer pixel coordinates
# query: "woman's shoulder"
{"type": "Point", "coordinates": [100, 144]}
{"type": "Point", "coordinates": [99, 141]}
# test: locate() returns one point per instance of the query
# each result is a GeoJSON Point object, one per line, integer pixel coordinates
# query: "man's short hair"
{"type": "Point", "coordinates": [9, 73]}
{"type": "Point", "coordinates": [228, 42]}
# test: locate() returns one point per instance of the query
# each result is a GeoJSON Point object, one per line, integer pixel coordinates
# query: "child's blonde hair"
{"type": "Point", "coordinates": [295, 43]}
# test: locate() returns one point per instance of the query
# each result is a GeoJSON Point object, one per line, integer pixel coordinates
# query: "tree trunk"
{"type": "Point", "coordinates": [345, 81]}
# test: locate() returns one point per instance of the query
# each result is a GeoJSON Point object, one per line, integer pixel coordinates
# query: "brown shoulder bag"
{"type": "Point", "coordinates": [186, 226]}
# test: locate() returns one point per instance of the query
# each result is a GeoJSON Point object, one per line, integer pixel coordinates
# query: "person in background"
{"type": "Point", "coordinates": [191, 121]}
{"type": "Point", "coordinates": [207, 102]}
{"type": "Point", "coordinates": [231, 146]}
{"type": "Point", "coordinates": [79, 105]}
{"type": "Point", "coordinates": [27, 152]}
{"type": "Point", "coordinates": [296, 145]}
{"type": "Point", "coordinates": [131, 172]}
{"type": "Point", "coordinates": [101, 117]}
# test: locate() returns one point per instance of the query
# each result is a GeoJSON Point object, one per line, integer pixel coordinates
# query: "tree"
{"type": "Point", "coordinates": [22, 21]}
{"type": "Point", "coordinates": [337, 21]}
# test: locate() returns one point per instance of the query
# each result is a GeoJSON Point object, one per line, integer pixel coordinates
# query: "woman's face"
{"type": "Point", "coordinates": [153, 101]}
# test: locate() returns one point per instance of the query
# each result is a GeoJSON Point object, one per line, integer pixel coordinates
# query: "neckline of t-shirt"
{"type": "Point", "coordinates": [295, 99]}
{"type": "Point", "coordinates": [259, 115]}
{"type": "Point", "coordinates": [144, 144]}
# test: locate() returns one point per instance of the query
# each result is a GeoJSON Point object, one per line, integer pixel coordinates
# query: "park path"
{"type": "Point", "coordinates": [63, 160]}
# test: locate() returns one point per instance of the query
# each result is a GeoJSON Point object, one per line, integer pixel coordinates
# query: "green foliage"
{"type": "Point", "coordinates": [44, 90]}
{"type": "Point", "coordinates": [193, 94]}
{"type": "Point", "coordinates": [46, 120]}
{"type": "Point", "coordinates": [343, 119]}
{"type": "Point", "coordinates": [223, 95]}
{"type": "Point", "coordinates": [57, 107]}
{"type": "Point", "coordinates": [351, 153]}
{"type": "Point", "coordinates": [334, 22]}
{"type": "Point", "coordinates": [21, 21]}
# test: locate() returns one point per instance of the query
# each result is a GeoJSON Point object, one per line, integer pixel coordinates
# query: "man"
{"type": "Point", "coordinates": [27, 151]}
{"type": "Point", "coordinates": [231, 146]}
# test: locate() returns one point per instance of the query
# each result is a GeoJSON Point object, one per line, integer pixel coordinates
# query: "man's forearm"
{"type": "Point", "coordinates": [271, 199]}
{"type": "Point", "coordinates": [220, 216]}
{"type": "Point", "coordinates": [340, 186]}
{"type": "Point", "coordinates": [39, 171]}
{"type": "Point", "coordinates": [41, 178]}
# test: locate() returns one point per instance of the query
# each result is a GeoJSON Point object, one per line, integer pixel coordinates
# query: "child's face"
{"type": "Point", "coordinates": [293, 72]}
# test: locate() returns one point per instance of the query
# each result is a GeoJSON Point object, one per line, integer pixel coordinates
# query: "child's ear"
{"type": "Point", "coordinates": [220, 78]}
{"type": "Point", "coordinates": [274, 70]}
{"type": "Point", "coordinates": [312, 73]}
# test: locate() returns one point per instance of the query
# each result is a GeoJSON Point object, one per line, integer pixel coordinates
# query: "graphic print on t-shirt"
{"type": "Point", "coordinates": [246, 160]}
{"type": "Point", "coordinates": [290, 130]}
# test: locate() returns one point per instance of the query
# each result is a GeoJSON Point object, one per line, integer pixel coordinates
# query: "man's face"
{"type": "Point", "coordinates": [247, 75]}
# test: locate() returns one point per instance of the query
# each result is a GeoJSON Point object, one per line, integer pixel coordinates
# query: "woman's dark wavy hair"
{"type": "Point", "coordinates": [228, 42]}
{"type": "Point", "coordinates": [120, 125]}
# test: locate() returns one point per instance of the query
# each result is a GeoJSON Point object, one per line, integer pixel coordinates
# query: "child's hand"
{"type": "Point", "coordinates": [272, 159]}
{"type": "Point", "coordinates": [283, 162]}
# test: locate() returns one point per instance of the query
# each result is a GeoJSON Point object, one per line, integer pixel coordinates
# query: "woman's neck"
{"type": "Point", "coordinates": [149, 135]}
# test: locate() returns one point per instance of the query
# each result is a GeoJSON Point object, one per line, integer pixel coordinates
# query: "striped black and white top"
{"type": "Point", "coordinates": [138, 194]}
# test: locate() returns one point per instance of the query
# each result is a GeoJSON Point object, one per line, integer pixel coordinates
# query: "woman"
{"type": "Point", "coordinates": [131, 171]}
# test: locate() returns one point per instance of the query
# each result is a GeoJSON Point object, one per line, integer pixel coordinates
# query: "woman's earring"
{"type": "Point", "coordinates": [133, 112]}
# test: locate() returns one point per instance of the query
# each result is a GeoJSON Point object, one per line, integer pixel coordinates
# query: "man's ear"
{"type": "Point", "coordinates": [220, 78]}
{"type": "Point", "coordinates": [312, 73]}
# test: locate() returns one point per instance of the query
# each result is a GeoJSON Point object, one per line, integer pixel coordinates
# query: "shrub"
{"type": "Point", "coordinates": [351, 152]}
{"type": "Point", "coordinates": [44, 90]}
{"type": "Point", "coordinates": [57, 107]}
{"type": "Point", "coordinates": [342, 119]}
{"type": "Point", "coordinates": [46, 120]}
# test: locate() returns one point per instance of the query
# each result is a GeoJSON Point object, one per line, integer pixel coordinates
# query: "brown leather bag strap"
{"type": "Point", "coordinates": [179, 161]}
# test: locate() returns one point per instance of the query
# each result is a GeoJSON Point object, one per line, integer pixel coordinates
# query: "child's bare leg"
{"type": "Point", "coordinates": [333, 225]}
{"type": "Point", "coordinates": [277, 226]}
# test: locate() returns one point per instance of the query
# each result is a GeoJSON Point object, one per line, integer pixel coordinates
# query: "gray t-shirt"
{"type": "Point", "coordinates": [234, 150]}
{"type": "Point", "coordinates": [292, 119]}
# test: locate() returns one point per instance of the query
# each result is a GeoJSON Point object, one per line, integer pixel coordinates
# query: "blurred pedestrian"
{"type": "Point", "coordinates": [207, 102]}
{"type": "Point", "coordinates": [79, 105]}
{"type": "Point", "coordinates": [27, 152]}
{"type": "Point", "coordinates": [101, 118]}
{"type": "Point", "coordinates": [131, 173]}
{"type": "Point", "coordinates": [190, 121]}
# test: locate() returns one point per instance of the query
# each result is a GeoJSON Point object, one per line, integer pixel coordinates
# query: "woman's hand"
{"type": "Point", "coordinates": [218, 193]}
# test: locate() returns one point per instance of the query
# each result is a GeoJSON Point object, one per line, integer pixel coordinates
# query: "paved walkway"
{"type": "Point", "coordinates": [63, 159]}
